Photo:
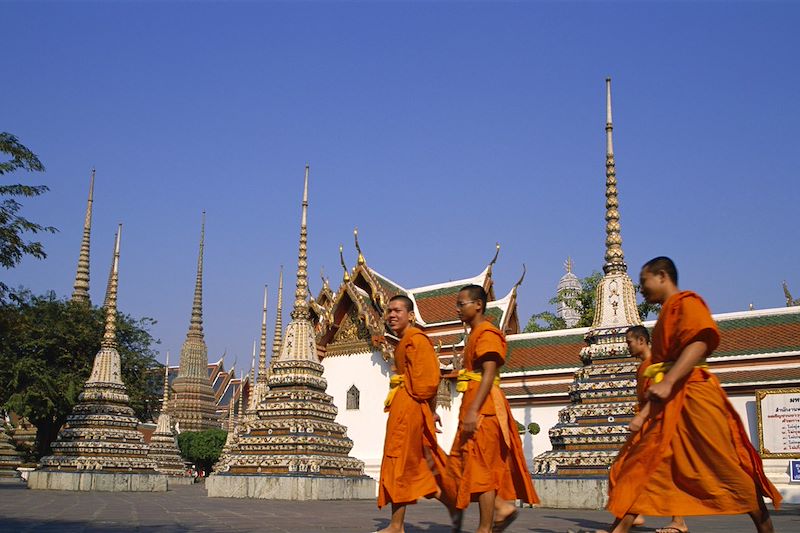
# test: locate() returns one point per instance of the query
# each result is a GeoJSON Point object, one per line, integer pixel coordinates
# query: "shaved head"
{"type": "Point", "coordinates": [476, 292]}
{"type": "Point", "coordinates": [662, 264]}
{"type": "Point", "coordinates": [639, 332]}
{"type": "Point", "coordinates": [409, 305]}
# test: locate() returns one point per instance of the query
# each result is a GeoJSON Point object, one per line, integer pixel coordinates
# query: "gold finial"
{"type": "Point", "coordinates": [278, 333]}
{"type": "Point", "coordinates": [301, 291]}
{"type": "Point", "coordinates": [346, 276]}
{"type": "Point", "coordinates": [568, 264]}
{"type": "Point", "coordinates": [494, 259]}
{"type": "Point", "coordinates": [196, 322]}
{"type": "Point", "coordinates": [361, 259]}
{"type": "Point", "coordinates": [522, 277]}
{"type": "Point", "coordinates": [81, 286]}
{"type": "Point", "coordinates": [110, 334]}
{"type": "Point", "coordinates": [325, 282]}
{"type": "Point", "coordinates": [262, 354]}
{"type": "Point", "coordinates": [615, 258]}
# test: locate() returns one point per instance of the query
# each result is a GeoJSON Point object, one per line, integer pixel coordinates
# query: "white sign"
{"type": "Point", "coordinates": [779, 422]}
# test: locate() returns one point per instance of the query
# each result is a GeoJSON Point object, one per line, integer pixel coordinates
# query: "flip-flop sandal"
{"type": "Point", "coordinates": [501, 526]}
{"type": "Point", "coordinates": [671, 530]}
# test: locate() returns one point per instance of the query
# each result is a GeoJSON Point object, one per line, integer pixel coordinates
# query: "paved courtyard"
{"type": "Point", "coordinates": [188, 509]}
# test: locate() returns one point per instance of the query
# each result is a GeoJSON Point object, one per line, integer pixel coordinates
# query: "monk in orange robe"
{"type": "Point", "coordinates": [486, 461]}
{"type": "Point", "coordinates": [412, 460]}
{"type": "Point", "coordinates": [692, 456]}
{"type": "Point", "coordinates": [638, 340]}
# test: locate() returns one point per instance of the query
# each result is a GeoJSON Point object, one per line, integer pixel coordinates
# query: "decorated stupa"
{"type": "Point", "coordinates": [163, 443]}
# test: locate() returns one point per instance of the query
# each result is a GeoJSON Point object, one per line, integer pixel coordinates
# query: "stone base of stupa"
{"type": "Point", "coordinates": [275, 487]}
{"type": "Point", "coordinates": [10, 476]}
{"type": "Point", "coordinates": [561, 493]}
{"type": "Point", "coordinates": [177, 481]}
{"type": "Point", "coordinates": [97, 481]}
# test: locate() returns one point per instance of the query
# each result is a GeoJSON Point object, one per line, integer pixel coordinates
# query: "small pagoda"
{"type": "Point", "coordinates": [10, 458]}
{"type": "Point", "coordinates": [163, 443]}
{"type": "Point", "coordinates": [100, 447]}
{"type": "Point", "coordinates": [594, 426]}
{"type": "Point", "coordinates": [193, 406]}
{"type": "Point", "coordinates": [292, 448]}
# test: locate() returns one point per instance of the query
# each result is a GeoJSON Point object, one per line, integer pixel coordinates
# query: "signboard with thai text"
{"type": "Point", "coordinates": [778, 422]}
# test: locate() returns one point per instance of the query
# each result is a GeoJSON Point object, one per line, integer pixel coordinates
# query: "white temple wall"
{"type": "Point", "coordinates": [366, 426]}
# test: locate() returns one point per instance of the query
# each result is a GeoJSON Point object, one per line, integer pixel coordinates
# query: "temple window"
{"type": "Point", "coordinates": [352, 398]}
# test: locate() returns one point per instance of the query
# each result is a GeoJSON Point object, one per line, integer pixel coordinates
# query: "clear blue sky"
{"type": "Point", "coordinates": [436, 128]}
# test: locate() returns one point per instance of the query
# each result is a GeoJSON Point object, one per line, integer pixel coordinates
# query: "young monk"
{"type": "Point", "coordinates": [486, 461]}
{"type": "Point", "coordinates": [693, 457]}
{"type": "Point", "coordinates": [412, 459]}
{"type": "Point", "coordinates": [638, 340]}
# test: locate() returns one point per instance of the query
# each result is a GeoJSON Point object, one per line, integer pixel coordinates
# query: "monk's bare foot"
{"type": "Point", "coordinates": [638, 521]}
{"type": "Point", "coordinates": [391, 529]}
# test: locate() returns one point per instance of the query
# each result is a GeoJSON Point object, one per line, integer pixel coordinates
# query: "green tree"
{"type": "Point", "coordinates": [13, 226]}
{"type": "Point", "coordinates": [202, 448]}
{"type": "Point", "coordinates": [46, 353]}
{"type": "Point", "coordinates": [584, 301]}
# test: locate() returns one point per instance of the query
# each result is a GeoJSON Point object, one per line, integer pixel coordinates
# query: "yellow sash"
{"type": "Point", "coordinates": [395, 382]}
{"type": "Point", "coordinates": [657, 371]}
{"type": "Point", "coordinates": [465, 376]}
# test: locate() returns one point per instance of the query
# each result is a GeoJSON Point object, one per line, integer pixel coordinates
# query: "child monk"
{"type": "Point", "coordinates": [486, 461]}
{"type": "Point", "coordinates": [638, 340]}
{"type": "Point", "coordinates": [693, 457]}
{"type": "Point", "coordinates": [412, 459]}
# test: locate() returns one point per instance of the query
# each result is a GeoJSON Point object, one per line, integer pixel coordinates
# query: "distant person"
{"type": "Point", "coordinates": [412, 462]}
{"type": "Point", "coordinates": [693, 456]}
{"type": "Point", "coordinates": [486, 461]}
{"type": "Point", "coordinates": [638, 340]}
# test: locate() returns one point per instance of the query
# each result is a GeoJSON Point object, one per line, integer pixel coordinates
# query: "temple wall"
{"type": "Point", "coordinates": [546, 416]}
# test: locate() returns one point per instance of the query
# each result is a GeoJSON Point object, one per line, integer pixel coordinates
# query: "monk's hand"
{"type": "Point", "coordinates": [437, 421]}
{"type": "Point", "coordinates": [470, 423]}
{"type": "Point", "coordinates": [660, 391]}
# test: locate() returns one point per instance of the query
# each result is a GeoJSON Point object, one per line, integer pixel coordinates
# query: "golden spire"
{"type": "Point", "coordinates": [361, 259]}
{"type": "Point", "coordinates": [196, 322]}
{"type": "Point", "coordinates": [301, 291]}
{"type": "Point", "coordinates": [346, 276]}
{"type": "Point", "coordinates": [568, 265]}
{"type": "Point", "coordinates": [110, 275]}
{"type": "Point", "coordinates": [262, 354]}
{"type": "Point", "coordinates": [110, 334]}
{"type": "Point", "coordinates": [166, 384]}
{"type": "Point", "coordinates": [278, 333]}
{"type": "Point", "coordinates": [615, 259]}
{"type": "Point", "coordinates": [81, 286]}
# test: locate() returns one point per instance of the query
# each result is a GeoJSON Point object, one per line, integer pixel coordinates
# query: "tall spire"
{"type": "Point", "coordinates": [81, 286]}
{"type": "Point", "coordinates": [110, 274]}
{"type": "Point", "coordinates": [262, 354]}
{"type": "Point", "coordinates": [196, 322]}
{"type": "Point", "coordinates": [110, 334]}
{"type": "Point", "coordinates": [251, 400]}
{"type": "Point", "coordinates": [241, 395]}
{"type": "Point", "coordinates": [301, 291]}
{"type": "Point", "coordinates": [166, 384]}
{"type": "Point", "coordinates": [278, 333]}
{"type": "Point", "coordinates": [615, 258]}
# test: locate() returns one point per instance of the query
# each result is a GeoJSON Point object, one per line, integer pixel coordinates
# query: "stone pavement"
{"type": "Point", "coordinates": [188, 509]}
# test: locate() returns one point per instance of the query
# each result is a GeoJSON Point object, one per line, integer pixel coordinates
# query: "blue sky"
{"type": "Point", "coordinates": [436, 128]}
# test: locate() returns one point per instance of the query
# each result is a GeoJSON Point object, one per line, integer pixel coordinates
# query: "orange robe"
{"type": "Point", "coordinates": [492, 459]}
{"type": "Point", "coordinates": [406, 474]}
{"type": "Point", "coordinates": [692, 456]}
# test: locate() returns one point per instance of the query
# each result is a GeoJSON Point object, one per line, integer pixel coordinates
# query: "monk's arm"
{"type": "Point", "coordinates": [638, 421]}
{"type": "Point", "coordinates": [489, 372]}
{"type": "Point", "coordinates": [693, 354]}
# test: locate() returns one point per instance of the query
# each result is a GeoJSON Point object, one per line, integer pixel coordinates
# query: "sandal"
{"type": "Point", "coordinates": [501, 525]}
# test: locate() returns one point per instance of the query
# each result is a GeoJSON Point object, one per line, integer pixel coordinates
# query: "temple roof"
{"type": "Point", "coordinates": [744, 335]}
